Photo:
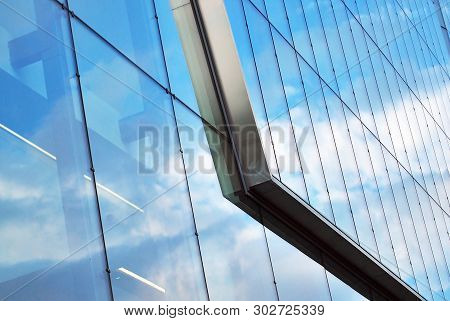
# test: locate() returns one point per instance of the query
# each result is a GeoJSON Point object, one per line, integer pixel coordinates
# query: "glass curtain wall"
{"type": "Point", "coordinates": [362, 87]}
{"type": "Point", "coordinates": [107, 184]}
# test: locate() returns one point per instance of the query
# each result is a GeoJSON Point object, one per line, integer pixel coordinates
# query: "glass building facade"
{"type": "Point", "coordinates": [354, 94]}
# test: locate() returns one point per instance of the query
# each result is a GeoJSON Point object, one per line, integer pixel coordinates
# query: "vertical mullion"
{"type": "Point", "coordinates": [91, 160]}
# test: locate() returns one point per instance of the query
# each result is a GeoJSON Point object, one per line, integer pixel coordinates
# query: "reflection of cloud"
{"type": "Point", "coordinates": [291, 90]}
{"type": "Point", "coordinates": [413, 140]}
{"type": "Point", "coordinates": [12, 191]}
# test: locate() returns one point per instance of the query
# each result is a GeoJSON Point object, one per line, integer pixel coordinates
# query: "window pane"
{"type": "Point", "coordinates": [423, 238]}
{"type": "Point", "coordinates": [299, 28]}
{"type": "Point", "coordinates": [235, 11]}
{"type": "Point", "coordinates": [233, 246]}
{"type": "Point", "coordinates": [273, 90]}
{"type": "Point", "coordinates": [130, 26]}
{"type": "Point", "coordinates": [336, 189]}
{"type": "Point", "coordinates": [412, 243]}
{"type": "Point", "coordinates": [152, 249]}
{"type": "Point", "coordinates": [298, 277]}
{"type": "Point", "coordinates": [179, 77]}
{"type": "Point", "coordinates": [278, 17]}
{"type": "Point", "coordinates": [319, 42]}
{"type": "Point", "coordinates": [50, 238]}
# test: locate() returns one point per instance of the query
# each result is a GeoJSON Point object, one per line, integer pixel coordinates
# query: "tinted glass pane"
{"type": "Point", "coordinates": [298, 277]}
{"type": "Point", "coordinates": [319, 42]}
{"type": "Point", "coordinates": [299, 29]}
{"type": "Point", "coordinates": [423, 238]}
{"type": "Point", "coordinates": [152, 249]}
{"type": "Point", "coordinates": [236, 14]}
{"type": "Point", "coordinates": [179, 78]}
{"type": "Point", "coordinates": [336, 189]}
{"type": "Point", "coordinates": [131, 26]}
{"type": "Point", "coordinates": [380, 223]}
{"type": "Point", "coordinates": [50, 236]}
{"type": "Point", "coordinates": [234, 250]}
{"type": "Point", "coordinates": [412, 243]}
{"type": "Point", "coordinates": [273, 90]}
{"type": "Point", "coordinates": [278, 17]}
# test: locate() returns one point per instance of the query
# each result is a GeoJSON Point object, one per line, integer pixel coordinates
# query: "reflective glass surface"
{"type": "Point", "coordinates": [234, 251]}
{"type": "Point", "coordinates": [51, 245]}
{"type": "Point", "coordinates": [110, 184]}
{"type": "Point", "coordinates": [139, 173]}
{"type": "Point", "coordinates": [130, 26]}
{"type": "Point", "coordinates": [366, 90]}
{"type": "Point", "coordinates": [298, 277]}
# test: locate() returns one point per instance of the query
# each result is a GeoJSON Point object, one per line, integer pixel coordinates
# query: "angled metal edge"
{"type": "Point", "coordinates": [220, 89]}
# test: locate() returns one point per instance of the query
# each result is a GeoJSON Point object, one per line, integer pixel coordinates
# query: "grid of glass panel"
{"type": "Point", "coordinates": [363, 88]}
{"type": "Point", "coordinates": [80, 220]}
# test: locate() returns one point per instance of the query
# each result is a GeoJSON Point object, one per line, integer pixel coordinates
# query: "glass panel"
{"type": "Point", "coordinates": [402, 44]}
{"type": "Point", "coordinates": [350, 171]}
{"type": "Point", "coordinates": [412, 243]}
{"type": "Point", "coordinates": [319, 42]}
{"type": "Point", "coordinates": [278, 17]}
{"type": "Point", "coordinates": [424, 66]}
{"type": "Point", "coordinates": [275, 102]}
{"type": "Point", "coordinates": [130, 26]}
{"type": "Point", "coordinates": [259, 4]}
{"type": "Point", "coordinates": [385, 116]}
{"type": "Point", "coordinates": [379, 218]}
{"type": "Point", "coordinates": [233, 246]}
{"type": "Point", "coordinates": [179, 77]}
{"type": "Point", "coordinates": [341, 68]}
{"type": "Point", "coordinates": [431, 215]}
{"type": "Point", "coordinates": [379, 95]}
{"type": "Point", "coordinates": [378, 16]}
{"type": "Point", "coordinates": [411, 141]}
{"type": "Point", "coordinates": [326, 143]}
{"type": "Point", "coordinates": [293, 89]}
{"type": "Point", "coordinates": [442, 148]}
{"type": "Point", "coordinates": [341, 291]}
{"type": "Point", "coordinates": [298, 277]}
{"type": "Point", "coordinates": [299, 29]}
{"type": "Point", "coordinates": [393, 35]}
{"type": "Point", "coordinates": [152, 249]}
{"type": "Point", "coordinates": [354, 55]}
{"type": "Point", "coordinates": [50, 237]}
{"type": "Point", "coordinates": [423, 238]}
{"type": "Point", "coordinates": [392, 116]}
{"type": "Point", "coordinates": [309, 152]}
{"type": "Point", "coordinates": [241, 35]}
